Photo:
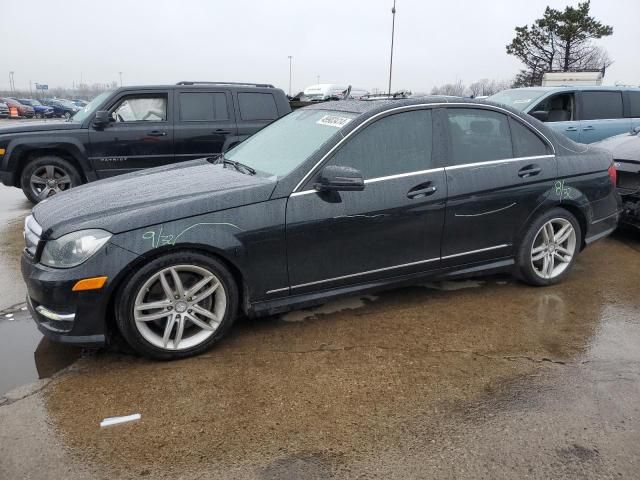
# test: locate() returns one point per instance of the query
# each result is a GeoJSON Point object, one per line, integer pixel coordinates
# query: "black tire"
{"type": "Point", "coordinates": [60, 164]}
{"type": "Point", "coordinates": [127, 293]}
{"type": "Point", "coordinates": [524, 265]}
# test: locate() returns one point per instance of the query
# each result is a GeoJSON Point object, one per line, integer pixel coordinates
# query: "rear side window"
{"type": "Point", "coordinates": [399, 143]}
{"type": "Point", "coordinates": [257, 106]}
{"type": "Point", "coordinates": [525, 142]}
{"type": "Point", "coordinates": [203, 107]}
{"type": "Point", "coordinates": [478, 135]}
{"type": "Point", "coordinates": [601, 105]}
{"type": "Point", "coordinates": [634, 104]}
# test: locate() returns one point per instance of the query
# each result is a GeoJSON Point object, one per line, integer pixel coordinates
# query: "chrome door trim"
{"type": "Point", "coordinates": [475, 251]}
{"type": "Point", "coordinates": [316, 282]}
{"type": "Point", "coordinates": [413, 107]}
{"type": "Point", "coordinates": [365, 273]}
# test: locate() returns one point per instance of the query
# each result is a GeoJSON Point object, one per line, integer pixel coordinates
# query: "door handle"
{"type": "Point", "coordinates": [422, 190]}
{"type": "Point", "coordinates": [585, 129]}
{"type": "Point", "coordinates": [571, 129]}
{"type": "Point", "coordinates": [221, 131]}
{"type": "Point", "coordinates": [157, 133]}
{"type": "Point", "coordinates": [529, 171]}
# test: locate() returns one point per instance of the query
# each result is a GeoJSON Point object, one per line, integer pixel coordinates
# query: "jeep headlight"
{"type": "Point", "coordinates": [74, 248]}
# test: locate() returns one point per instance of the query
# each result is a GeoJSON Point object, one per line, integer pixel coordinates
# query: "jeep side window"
{"type": "Point", "coordinates": [558, 108]}
{"type": "Point", "coordinates": [141, 109]}
{"type": "Point", "coordinates": [257, 106]}
{"type": "Point", "coordinates": [203, 107]}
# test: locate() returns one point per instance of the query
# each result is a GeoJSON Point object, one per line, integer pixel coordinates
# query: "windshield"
{"type": "Point", "coordinates": [283, 145]}
{"type": "Point", "coordinates": [81, 115]}
{"type": "Point", "coordinates": [518, 98]}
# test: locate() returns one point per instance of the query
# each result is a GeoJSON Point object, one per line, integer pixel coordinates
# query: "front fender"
{"type": "Point", "coordinates": [28, 144]}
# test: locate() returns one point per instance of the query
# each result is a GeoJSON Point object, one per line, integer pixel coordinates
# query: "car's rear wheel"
{"type": "Point", "coordinates": [47, 176]}
{"type": "Point", "coordinates": [177, 305]}
{"type": "Point", "coordinates": [549, 248]}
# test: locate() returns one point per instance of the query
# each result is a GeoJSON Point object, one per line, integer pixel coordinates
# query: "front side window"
{"type": "Point", "coordinates": [285, 144]}
{"type": "Point", "coordinates": [478, 135]}
{"type": "Point", "coordinates": [257, 106]}
{"type": "Point", "coordinates": [557, 108]}
{"type": "Point", "coordinates": [399, 143]}
{"type": "Point", "coordinates": [601, 105]}
{"type": "Point", "coordinates": [141, 109]}
{"type": "Point", "coordinates": [203, 107]}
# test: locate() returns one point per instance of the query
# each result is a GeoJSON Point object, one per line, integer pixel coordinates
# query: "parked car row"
{"type": "Point", "coordinates": [44, 108]}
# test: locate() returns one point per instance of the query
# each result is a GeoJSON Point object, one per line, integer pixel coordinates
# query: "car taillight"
{"type": "Point", "coordinates": [613, 174]}
{"type": "Point", "coordinates": [13, 112]}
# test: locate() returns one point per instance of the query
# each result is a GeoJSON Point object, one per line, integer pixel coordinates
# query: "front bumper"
{"type": "Point", "coordinates": [66, 316]}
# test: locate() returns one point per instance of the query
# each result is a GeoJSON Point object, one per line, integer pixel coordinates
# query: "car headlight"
{"type": "Point", "coordinates": [74, 248]}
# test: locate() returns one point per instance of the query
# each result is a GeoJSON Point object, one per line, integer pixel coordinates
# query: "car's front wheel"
{"type": "Point", "coordinates": [177, 305]}
{"type": "Point", "coordinates": [549, 248]}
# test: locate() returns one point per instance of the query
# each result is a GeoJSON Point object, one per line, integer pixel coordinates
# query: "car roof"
{"type": "Point", "coordinates": [579, 87]}
{"type": "Point", "coordinates": [196, 86]}
{"type": "Point", "coordinates": [375, 106]}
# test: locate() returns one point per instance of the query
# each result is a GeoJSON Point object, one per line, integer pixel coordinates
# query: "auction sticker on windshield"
{"type": "Point", "coordinates": [333, 121]}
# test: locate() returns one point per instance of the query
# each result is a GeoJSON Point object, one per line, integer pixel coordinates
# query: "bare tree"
{"type": "Point", "coordinates": [453, 89]}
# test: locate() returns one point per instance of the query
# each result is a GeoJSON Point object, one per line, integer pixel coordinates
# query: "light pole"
{"type": "Point", "coordinates": [290, 58]}
{"type": "Point", "coordinates": [318, 79]}
{"type": "Point", "coordinates": [393, 28]}
{"type": "Point", "coordinates": [12, 84]}
{"type": "Point", "coordinates": [120, 73]}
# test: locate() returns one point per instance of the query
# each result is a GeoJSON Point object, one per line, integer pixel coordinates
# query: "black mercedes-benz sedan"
{"type": "Point", "coordinates": [332, 199]}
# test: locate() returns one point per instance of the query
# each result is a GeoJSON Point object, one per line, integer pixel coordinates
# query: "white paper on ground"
{"type": "Point", "coordinates": [116, 420]}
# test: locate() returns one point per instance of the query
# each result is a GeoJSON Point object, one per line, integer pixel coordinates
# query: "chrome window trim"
{"type": "Point", "coordinates": [413, 107]}
{"type": "Point", "coordinates": [494, 162]}
{"type": "Point", "coordinates": [381, 179]}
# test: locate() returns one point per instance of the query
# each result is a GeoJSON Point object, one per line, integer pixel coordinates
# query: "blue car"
{"type": "Point", "coordinates": [585, 114]}
{"type": "Point", "coordinates": [41, 111]}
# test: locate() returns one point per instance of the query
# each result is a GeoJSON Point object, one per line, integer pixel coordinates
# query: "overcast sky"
{"type": "Point", "coordinates": [347, 41]}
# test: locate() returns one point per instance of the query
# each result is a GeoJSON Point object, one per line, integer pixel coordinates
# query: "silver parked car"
{"type": "Point", "coordinates": [625, 149]}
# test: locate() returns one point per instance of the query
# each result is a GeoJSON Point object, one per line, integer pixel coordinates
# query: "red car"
{"type": "Point", "coordinates": [17, 109]}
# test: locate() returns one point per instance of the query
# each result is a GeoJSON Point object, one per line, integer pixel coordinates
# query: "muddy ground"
{"type": "Point", "coordinates": [483, 378]}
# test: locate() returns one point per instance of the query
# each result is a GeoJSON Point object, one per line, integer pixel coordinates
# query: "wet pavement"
{"type": "Point", "coordinates": [483, 378]}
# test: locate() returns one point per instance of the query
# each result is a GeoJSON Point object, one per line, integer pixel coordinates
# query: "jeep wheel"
{"type": "Point", "coordinates": [47, 176]}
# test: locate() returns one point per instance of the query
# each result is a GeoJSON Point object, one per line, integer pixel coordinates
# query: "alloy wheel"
{"type": "Point", "coordinates": [553, 248]}
{"type": "Point", "coordinates": [49, 180]}
{"type": "Point", "coordinates": [180, 307]}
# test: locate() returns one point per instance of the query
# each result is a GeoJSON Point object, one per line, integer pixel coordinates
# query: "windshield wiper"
{"type": "Point", "coordinates": [241, 167]}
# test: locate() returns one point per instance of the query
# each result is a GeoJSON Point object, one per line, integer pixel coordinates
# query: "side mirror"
{"type": "Point", "coordinates": [339, 179]}
{"type": "Point", "coordinates": [540, 115]}
{"type": "Point", "coordinates": [101, 119]}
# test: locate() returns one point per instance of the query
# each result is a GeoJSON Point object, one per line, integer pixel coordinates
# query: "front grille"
{"type": "Point", "coordinates": [32, 233]}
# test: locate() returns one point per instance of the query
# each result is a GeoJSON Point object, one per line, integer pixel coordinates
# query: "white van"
{"type": "Point", "coordinates": [324, 91]}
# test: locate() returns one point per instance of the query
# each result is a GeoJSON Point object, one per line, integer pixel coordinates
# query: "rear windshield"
{"type": "Point", "coordinates": [518, 98]}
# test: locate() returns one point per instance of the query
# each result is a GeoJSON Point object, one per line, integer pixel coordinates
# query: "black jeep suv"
{"type": "Point", "coordinates": [133, 128]}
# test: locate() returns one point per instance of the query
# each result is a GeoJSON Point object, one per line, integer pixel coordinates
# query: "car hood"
{"type": "Point", "coordinates": [38, 127]}
{"type": "Point", "coordinates": [623, 147]}
{"type": "Point", "coordinates": [150, 197]}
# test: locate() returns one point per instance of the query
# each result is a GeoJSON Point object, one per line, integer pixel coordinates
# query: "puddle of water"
{"type": "Point", "coordinates": [25, 355]}
{"type": "Point", "coordinates": [334, 306]}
